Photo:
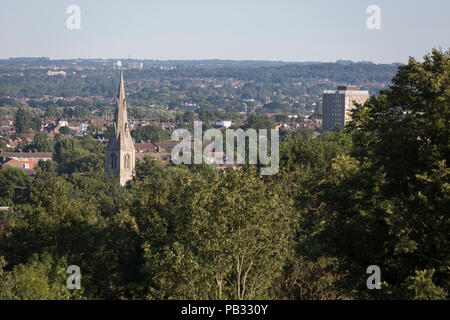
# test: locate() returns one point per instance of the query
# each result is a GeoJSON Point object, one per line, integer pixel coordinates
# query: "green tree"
{"type": "Point", "coordinates": [11, 179]}
{"type": "Point", "coordinates": [36, 124]}
{"type": "Point", "coordinates": [64, 130]}
{"type": "Point", "coordinates": [422, 287]}
{"type": "Point", "coordinates": [260, 122]}
{"type": "Point", "coordinates": [387, 203]}
{"type": "Point", "coordinates": [41, 143]}
{"type": "Point", "coordinates": [225, 237]}
{"type": "Point", "coordinates": [23, 121]}
{"type": "Point", "coordinates": [150, 133]}
{"type": "Point", "coordinates": [41, 278]}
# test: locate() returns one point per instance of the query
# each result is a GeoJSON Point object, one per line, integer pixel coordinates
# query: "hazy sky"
{"type": "Point", "coordinates": [288, 30]}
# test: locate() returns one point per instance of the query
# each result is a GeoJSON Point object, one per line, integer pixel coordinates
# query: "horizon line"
{"type": "Point", "coordinates": [199, 59]}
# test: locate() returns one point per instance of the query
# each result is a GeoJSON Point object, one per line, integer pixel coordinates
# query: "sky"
{"type": "Point", "coordinates": [278, 30]}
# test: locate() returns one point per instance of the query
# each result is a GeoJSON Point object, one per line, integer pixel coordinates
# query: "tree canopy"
{"type": "Point", "coordinates": [376, 193]}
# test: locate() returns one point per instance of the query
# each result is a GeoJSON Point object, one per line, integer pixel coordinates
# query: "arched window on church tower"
{"type": "Point", "coordinates": [113, 161]}
{"type": "Point", "coordinates": [127, 161]}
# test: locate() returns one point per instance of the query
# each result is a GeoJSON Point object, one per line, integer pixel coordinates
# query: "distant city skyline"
{"type": "Point", "coordinates": [283, 30]}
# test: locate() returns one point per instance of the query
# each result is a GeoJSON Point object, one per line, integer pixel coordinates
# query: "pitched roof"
{"type": "Point", "coordinates": [20, 164]}
{"type": "Point", "coordinates": [166, 144]}
{"type": "Point", "coordinates": [144, 146]}
{"type": "Point", "coordinates": [26, 155]}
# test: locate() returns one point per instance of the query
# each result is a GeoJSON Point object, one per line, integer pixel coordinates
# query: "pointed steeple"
{"type": "Point", "coordinates": [121, 94]}
{"type": "Point", "coordinates": [120, 118]}
{"type": "Point", "coordinates": [120, 155]}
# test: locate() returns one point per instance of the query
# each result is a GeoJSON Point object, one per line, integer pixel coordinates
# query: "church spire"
{"type": "Point", "coordinates": [121, 94]}
{"type": "Point", "coordinates": [120, 155]}
{"type": "Point", "coordinates": [121, 119]}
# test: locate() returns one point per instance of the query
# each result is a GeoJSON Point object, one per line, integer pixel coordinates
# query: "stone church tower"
{"type": "Point", "coordinates": [120, 155]}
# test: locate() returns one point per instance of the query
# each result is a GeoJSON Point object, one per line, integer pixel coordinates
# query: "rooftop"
{"type": "Point", "coordinates": [24, 155]}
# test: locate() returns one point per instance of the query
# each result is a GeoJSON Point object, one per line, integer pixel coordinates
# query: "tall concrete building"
{"type": "Point", "coordinates": [120, 155]}
{"type": "Point", "coordinates": [337, 105]}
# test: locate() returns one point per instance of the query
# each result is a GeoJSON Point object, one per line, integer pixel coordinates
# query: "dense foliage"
{"type": "Point", "coordinates": [376, 194]}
